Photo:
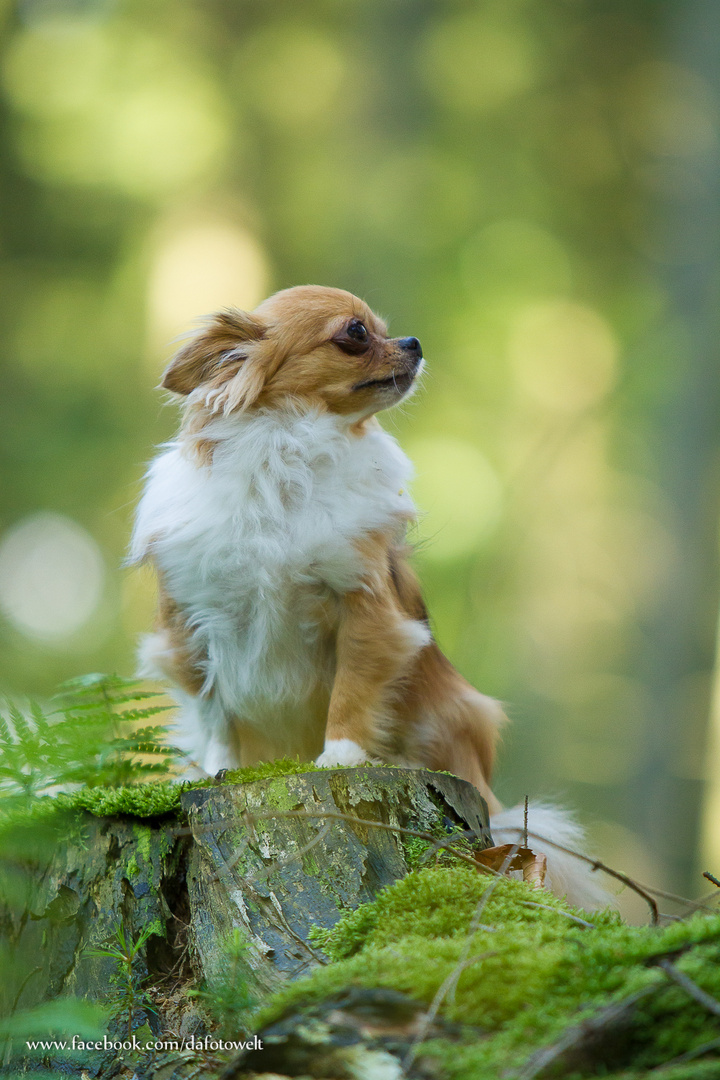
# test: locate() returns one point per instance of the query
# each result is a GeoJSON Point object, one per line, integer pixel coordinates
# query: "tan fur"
{"type": "Point", "coordinates": [373, 652]}
{"type": "Point", "coordinates": [201, 360]}
{"type": "Point", "coordinates": [394, 693]}
{"type": "Point", "coordinates": [284, 349]}
{"type": "Point", "coordinates": [180, 664]}
{"type": "Point", "coordinates": [402, 702]}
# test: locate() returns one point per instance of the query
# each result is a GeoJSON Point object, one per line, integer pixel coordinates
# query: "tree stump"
{"type": "Point", "coordinates": [272, 858]}
{"type": "Point", "coordinates": [281, 875]}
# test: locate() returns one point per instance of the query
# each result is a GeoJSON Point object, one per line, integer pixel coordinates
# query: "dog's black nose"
{"type": "Point", "coordinates": [411, 344]}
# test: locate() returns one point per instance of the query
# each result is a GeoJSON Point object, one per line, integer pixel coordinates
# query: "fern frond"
{"type": "Point", "coordinates": [131, 715]}
{"type": "Point", "coordinates": [77, 702]}
{"type": "Point", "coordinates": [87, 737]}
{"type": "Point", "coordinates": [23, 731]}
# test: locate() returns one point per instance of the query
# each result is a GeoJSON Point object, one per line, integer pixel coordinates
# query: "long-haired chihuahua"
{"type": "Point", "coordinates": [290, 621]}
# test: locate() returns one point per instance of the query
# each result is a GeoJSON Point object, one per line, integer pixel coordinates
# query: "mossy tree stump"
{"type": "Point", "coordinates": [272, 858]}
{"type": "Point", "coordinates": [280, 875]}
{"type": "Point", "coordinates": [533, 990]}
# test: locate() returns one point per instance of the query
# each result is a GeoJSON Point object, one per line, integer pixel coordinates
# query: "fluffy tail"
{"type": "Point", "coordinates": [567, 876]}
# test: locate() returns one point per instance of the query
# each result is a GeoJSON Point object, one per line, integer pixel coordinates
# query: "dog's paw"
{"type": "Point", "coordinates": [342, 752]}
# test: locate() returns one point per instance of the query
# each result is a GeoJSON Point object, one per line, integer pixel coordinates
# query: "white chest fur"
{"type": "Point", "coordinates": [253, 545]}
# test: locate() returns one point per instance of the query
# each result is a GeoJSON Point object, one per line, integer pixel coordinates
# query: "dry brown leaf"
{"type": "Point", "coordinates": [534, 872]}
{"type": "Point", "coordinates": [507, 857]}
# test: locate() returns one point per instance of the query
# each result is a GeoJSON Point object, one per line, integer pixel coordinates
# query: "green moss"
{"type": "Point", "coordinates": [689, 1070]}
{"type": "Point", "coordinates": [266, 769]}
{"type": "Point", "coordinates": [153, 799]}
{"type": "Point", "coordinates": [149, 845]}
{"type": "Point", "coordinates": [349, 935]}
{"type": "Point", "coordinates": [156, 799]}
{"type": "Point", "coordinates": [536, 970]}
{"type": "Point", "coordinates": [156, 927]}
{"type": "Point", "coordinates": [282, 767]}
{"type": "Point", "coordinates": [421, 853]}
{"type": "Point", "coordinates": [143, 835]}
{"type": "Point", "coordinates": [135, 800]}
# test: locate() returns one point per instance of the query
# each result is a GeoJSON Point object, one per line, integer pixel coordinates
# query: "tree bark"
{"type": "Point", "coordinates": [273, 858]}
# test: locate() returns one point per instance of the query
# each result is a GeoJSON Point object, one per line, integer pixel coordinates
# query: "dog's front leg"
{"type": "Point", "coordinates": [376, 644]}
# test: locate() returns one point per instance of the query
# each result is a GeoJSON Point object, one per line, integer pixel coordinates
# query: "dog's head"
{"type": "Point", "coordinates": [319, 346]}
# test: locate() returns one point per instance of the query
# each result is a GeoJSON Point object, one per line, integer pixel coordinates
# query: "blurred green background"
{"type": "Point", "coordinates": [532, 190]}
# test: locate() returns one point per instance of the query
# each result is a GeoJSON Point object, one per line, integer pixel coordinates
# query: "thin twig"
{"type": "Point", "coordinates": [482, 904]}
{"type": "Point", "coordinates": [237, 856]}
{"type": "Point", "coordinates": [449, 984]}
{"type": "Point", "coordinates": [329, 815]}
{"type": "Point", "coordinates": [704, 903]}
{"type": "Point", "coordinates": [696, 905]}
{"type": "Point", "coordinates": [690, 1055]}
{"type": "Point", "coordinates": [280, 919]}
{"type": "Point", "coordinates": [248, 885]}
{"type": "Point", "coordinates": [23, 984]}
{"type": "Point", "coordinates": [701, 996]}
{"type": "Point", "coordinates": [646, 892]}
{"type": "Point", "coordinates": [443, 990]}
{"type": "Point", "coordinates": [607, 1021]}
{"type": "Point", "coordinates": [559, 911]}
{"type": "Point", "coordinates": [597, 864]}
{"type": "Point", "coordinates": [711, 877]}
{"type": "Point", "coordinates": [278, 864]}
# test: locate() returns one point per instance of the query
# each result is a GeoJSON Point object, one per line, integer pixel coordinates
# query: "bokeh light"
{"type": "Point", "coordinates": [300, 69]}
{"type": "Point", "coordinates": [51, 577]}
{"type": "Point", "coordinates": [516, 257]}
{"type": "Point", "coordinates": [479, 60]}
{"type": "Point", "coordinates": [459, 496]}
{"type": "Point", "coordinates": [532, 191]}
{"type": "Point", "coordinates": [564, 355]}
{"type": "Point", "coordinates": [199, 268]}
{"type": "Point", "coordinates": [116, 107]}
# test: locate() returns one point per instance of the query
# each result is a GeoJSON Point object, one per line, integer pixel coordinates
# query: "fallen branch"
{"type": "Point", "coordinates": [449, 984]}
{"type": "Point", "coordinates": [705, 903]}
{"type": "Point", "coordinates": [332, 815]}
{"type": "Point", "coordinates": [691, 988]}
{"type": "Point", "coordinates": [558, 911]}
{"type": "Point", "coordinates": [578, 1047]}
{"type": "Point", "coordinates": [278, 864]}
{"type": "Point", "coordinates": [692, 905]}
{"type": "Point", "coordinates": [646, 891]}
{"type": "Point", "coordinates": [448, 845]}
{"type": "Point", "coordinates": [597, 864]}
{"type": "Point", "coordinates": [691, 1055]}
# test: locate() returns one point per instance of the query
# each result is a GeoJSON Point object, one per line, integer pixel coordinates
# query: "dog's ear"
{"type": "Point", "coordinates": [216, 354]}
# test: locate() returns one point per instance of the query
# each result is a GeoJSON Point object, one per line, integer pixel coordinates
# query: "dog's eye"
{"type": "Point", "coordinates": [357, 331]}
{"type": "Point", "coordinates": [353, 339]}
